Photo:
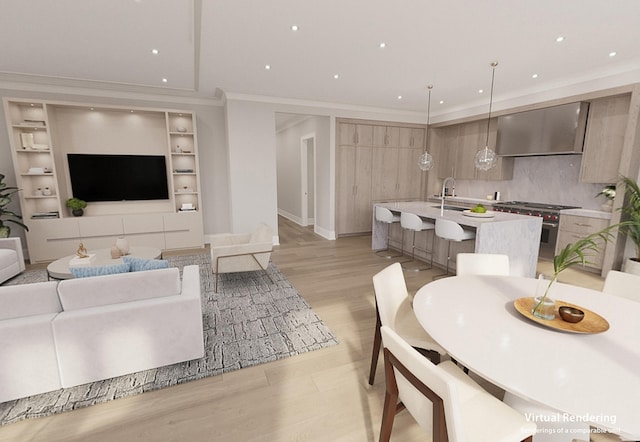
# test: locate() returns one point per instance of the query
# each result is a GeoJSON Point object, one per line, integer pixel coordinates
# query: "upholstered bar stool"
{"type": "Point", "coordinates": [411, 221]}
{"type": "Point", "coordinates": [385, 215]}
{"type": "Point", "coordinates": [451, 231]}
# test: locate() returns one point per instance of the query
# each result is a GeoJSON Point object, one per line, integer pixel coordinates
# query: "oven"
{"type": "Point", "coordinates": [550, 214]}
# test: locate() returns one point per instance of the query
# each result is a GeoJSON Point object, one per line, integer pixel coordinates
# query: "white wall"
{"type": "Point", "coordinates": [288, 142]}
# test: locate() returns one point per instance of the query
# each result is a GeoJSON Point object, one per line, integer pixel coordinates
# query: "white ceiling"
{"type": "Point", "coordinates": [211, 46]}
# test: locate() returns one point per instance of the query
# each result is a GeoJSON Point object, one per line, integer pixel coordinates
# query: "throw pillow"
{"type": "Point", "coordinates": [84, 272]}
{"type": "Point", "coordinates": [140, 264]}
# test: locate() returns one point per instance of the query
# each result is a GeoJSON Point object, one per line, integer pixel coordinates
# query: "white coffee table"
{"type": "Point", "coordinates": [59, 269]}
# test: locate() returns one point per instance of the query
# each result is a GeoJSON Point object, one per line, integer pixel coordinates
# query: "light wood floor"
{"type": "Point", "coordinates": [318, 396]}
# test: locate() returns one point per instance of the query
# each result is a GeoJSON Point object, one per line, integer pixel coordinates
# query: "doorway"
{"type": "Point", "coordinates": [308, 178]}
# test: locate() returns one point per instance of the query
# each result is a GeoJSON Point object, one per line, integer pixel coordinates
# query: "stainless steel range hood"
{"type": "Point", "coordinates": [554, 130]}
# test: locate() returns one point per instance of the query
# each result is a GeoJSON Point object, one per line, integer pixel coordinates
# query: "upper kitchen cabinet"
{"type": "Point", "coordinates": [351, 134]}
{"type": "Point", "coordinates": [460, 143]}
{"type": "Point", "coordinates": [386, 136]}
{"type": "Point", "coordinates": [412, 137]}
{"type": "Point", "coordinates": [604, 139]}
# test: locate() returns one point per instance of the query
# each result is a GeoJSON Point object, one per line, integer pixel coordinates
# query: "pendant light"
{"type": "Point", "coordinates": [486, 158]}
{"type": "Point", "coordinates": [426, 160]}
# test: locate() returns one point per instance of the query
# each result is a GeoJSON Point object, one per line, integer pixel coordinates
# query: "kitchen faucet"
{"type": "Point", "coordinates": [443, 194]}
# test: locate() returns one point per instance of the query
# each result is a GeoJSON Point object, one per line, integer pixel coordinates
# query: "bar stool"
{"type": "Point", "coordinates": [413, 222]}
{"type": "Point", "coordinates": [451, 231]}
{"type": "Point", "coordinates": [386, 216]}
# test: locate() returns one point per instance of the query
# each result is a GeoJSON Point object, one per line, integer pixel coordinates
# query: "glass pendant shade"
{"type": "Point", "coordinates": [425, 162]}
{"type": "Point", "coordinates": [485, 159]}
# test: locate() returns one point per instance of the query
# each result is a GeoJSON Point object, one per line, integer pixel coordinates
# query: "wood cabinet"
{"type": "Point", "coordinates": [377, 161]}
{"type": "Point", "coordinates": [43, 133]}
{"type": "Point", "coordinates": [573, 228]}
{"type": "Point", "coordinates": [461, 143]}
{"type": "Point", "coordinates": [604, 139]}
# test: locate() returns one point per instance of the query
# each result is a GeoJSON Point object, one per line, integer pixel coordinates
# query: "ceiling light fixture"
{"type": "Point", "coordinates": [481, 91]}
{"type": "Point", "coordinates": [399, 97]}
{"type": "Point", "coordinates": [295, 28]}
{"type": "Point", "coordinates": [426, 160]}
{"type": "Point", "coordinates": [336, 76]}
{"type": "Point", "coordinates": [164, 80]}
{"type": "Point", "coordinates": [267, 66]}
{"type": "Point", "coordinates": [155, 51]}
{"type": "Point", "coordinates": [486, 158]}
{"type": "Point", "coordinates": [534, 76]}
{"type": "Point", "coordinates": [613, 54]}
{"type": "Point", "coordinates": [383, 45]}
{"type": "Point", "coordinates": [560, 39]}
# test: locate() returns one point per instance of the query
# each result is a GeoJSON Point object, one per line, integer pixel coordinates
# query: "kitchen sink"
{"type": "Point", "coordinates": [456, 208]}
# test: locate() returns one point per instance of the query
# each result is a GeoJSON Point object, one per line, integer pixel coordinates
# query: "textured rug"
{"type": "Point", "coordinates": [249, 321]}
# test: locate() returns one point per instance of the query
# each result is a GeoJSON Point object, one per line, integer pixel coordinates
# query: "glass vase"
{"type": "Point", "coordinates": [543, 305]}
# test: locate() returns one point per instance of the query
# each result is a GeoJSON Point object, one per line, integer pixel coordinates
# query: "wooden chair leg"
{"type": "Point", "coordinates": [390, 401]}
{"type": "Point", "coordinates": [377, 342]}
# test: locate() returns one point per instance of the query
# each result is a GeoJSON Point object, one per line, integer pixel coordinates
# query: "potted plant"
{"type": "Point", "coordinates": [7, 216]}
{"type": "Point", "coordinates": [573, 253]}
{"type": "Point", "coordinates": [77, 206]}
{"type": "Point", "coordinates": [609, 192]}
{"type": "Point", "coordinates": [631, 216]}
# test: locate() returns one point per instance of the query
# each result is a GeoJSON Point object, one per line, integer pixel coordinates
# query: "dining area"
{"type": "Point", "coordinates": [475, 338]}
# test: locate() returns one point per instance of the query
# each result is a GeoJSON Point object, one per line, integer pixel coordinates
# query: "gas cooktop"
{"type": "Point", "coordinates": [531, 205]}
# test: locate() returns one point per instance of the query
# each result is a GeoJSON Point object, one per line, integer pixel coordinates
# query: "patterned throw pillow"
{"type": "Point", "coordinates": [139, 264]}
{"type": "Point", "coordinates": [84, 272]}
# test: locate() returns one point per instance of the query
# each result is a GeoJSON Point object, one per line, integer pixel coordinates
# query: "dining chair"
{"type": "Point", "coordinates": [386, 216]}
{"type": "Point", "coordinates": [394, 309]}
{"type": "Point", "coordinates": [443, 400]}
{"type": "Point", "coordinates": [451, 231]}
{"type": "Point", "coordinates": [482, 264]}
{"type": "Point", "coordinates": [411, 221]}
{"type": "Point", "coordinates": [622, 284]}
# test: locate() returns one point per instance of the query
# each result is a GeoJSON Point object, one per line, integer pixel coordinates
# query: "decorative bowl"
{"type": "Point", "coordinates": [571, 314]}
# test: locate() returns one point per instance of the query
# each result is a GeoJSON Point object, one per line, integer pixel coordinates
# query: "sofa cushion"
{"type": "Point", "coordinates": [85, 272]}
{"type": "Point", "coordinates": [82, 293]}
{"type": "Point", "coordinates": [29, 300]}
{"type": "Point", "coordinates": [140, 264]}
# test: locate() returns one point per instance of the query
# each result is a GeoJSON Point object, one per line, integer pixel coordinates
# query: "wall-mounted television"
{"type": "Point", "coordinates": [101, 177]}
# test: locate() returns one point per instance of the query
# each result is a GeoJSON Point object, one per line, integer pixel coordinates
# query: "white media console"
{"type": "Point", "coordinates": [43, 133]}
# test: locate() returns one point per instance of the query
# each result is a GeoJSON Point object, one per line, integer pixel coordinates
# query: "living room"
{"type": "Point", "coordinates": [236, 104]}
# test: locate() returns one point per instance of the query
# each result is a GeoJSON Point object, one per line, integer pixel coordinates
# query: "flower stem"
{"type": "Point", "coordinates": [546, 292]}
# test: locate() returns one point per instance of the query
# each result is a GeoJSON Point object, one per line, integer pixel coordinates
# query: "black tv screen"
{"type": "Point", "coordinates": [97, 177]}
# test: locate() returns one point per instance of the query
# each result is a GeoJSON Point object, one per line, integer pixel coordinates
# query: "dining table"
{"type": "Point", "coordinates": [590, 374]}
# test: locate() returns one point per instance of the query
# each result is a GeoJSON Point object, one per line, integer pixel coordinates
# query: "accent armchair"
{"type": "Point", "coordinates": [241, 252]}
{"type": "Point", "coordinates": [11, 258]}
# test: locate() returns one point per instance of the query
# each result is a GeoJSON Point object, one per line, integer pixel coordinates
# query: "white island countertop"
{"type": "Point", "coordinates": [517, 236]}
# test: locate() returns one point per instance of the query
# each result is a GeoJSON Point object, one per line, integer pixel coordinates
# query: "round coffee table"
{"type": "Point", "coordinates": [59, 269]}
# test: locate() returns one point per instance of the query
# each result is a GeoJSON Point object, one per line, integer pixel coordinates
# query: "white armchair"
{"type": "Point", "coordinates": [11, 258]}
{"type": "Point", "coordinates": [241, 252]}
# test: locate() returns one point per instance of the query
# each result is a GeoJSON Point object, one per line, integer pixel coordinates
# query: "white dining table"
{"type": "Point", "coordinates": [593, 377]}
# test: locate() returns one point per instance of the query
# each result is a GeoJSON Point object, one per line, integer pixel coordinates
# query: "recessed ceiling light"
{"type": "Point", "coordinates": [612, 54]}
{"type": "Point", "coordinates": [560, 39]}
{"type": "Point", "coordinates": [336, 76]}
{"type": "Point", "coordinates": [164, 80]}
{"type": "Point", "coordinates": [131, 111]}
{"type": "Point", "coordinates": [155, 51]}
{"type": "Point", "coordinates": [441, 101]}
{"type": "Point", "coordinates": [480, 91]}
{"type": "Point", "coordinates": [399, 97]}
{"type": "Point", "coordinates": [534, 76]}
{"type": "Point", "coordinates": [91, 108]}
{"type": "Point", "coordinates": [267, 66]}
{"type": "Point", "coordinates": [295, 27]}
{"type": "Point", "coordinates": [383, 45]}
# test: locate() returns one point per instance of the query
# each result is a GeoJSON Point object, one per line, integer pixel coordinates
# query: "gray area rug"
{"type": "Point", "coordinates": [249, 321]}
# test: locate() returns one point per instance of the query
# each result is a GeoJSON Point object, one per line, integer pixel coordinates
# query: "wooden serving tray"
{"type": "Point", "coordinates": [592, 322]}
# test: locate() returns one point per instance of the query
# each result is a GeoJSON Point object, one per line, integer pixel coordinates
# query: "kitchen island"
{"type": "Point", "coordinates": [517, 236]}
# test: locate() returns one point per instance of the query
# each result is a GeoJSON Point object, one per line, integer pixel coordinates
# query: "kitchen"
{"type": "Point", "coordinates": [568, 179]}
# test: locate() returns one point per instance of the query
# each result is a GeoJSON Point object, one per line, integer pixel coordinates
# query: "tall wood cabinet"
{"type": "Point", "coordinates": [604, 139]}
{"type": "Point", "coordinates": [377, 161]}
{"type": "Point", "coordinates": [43, 133]}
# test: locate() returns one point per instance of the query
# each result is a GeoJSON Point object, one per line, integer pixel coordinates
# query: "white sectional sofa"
{"type": "Point", "coordinates": [88, 329]}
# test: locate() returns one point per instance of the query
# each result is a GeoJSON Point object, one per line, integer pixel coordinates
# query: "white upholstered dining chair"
{"type": "Point", "coordinates": [443, 400]}
{"type": "Point", "coordinates": [394, 309]}
{"type": "Point", "coordinates": [482, 264]}
{"type": "Point", "coordinates": [241, 252]}
{"type": "Point", "coordinates": [622, 284]}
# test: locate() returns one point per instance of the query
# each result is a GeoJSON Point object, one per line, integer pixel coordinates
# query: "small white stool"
{"type": "Point", "coordinates": [451, 231]}
{"type": "Point", "coordinates": [386, 216]}
{"type": "Point", "coordinates": [413, 222]}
